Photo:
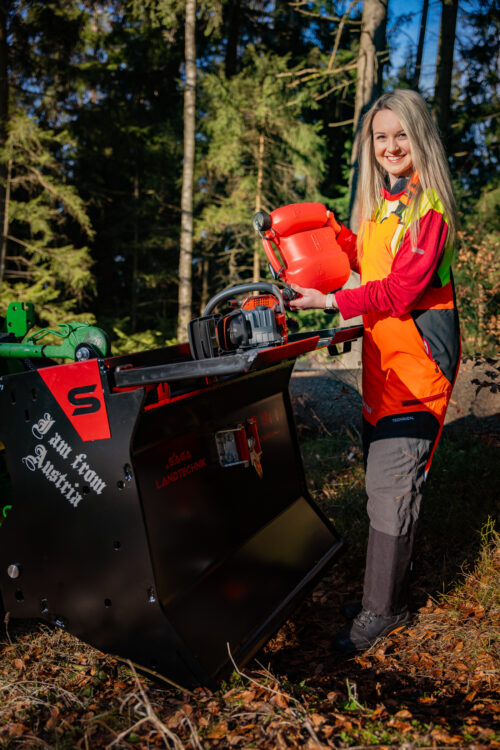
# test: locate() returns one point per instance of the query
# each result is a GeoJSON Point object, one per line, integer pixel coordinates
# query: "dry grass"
{"type": "Point", "coordinates": [459, 635]}
{"type": "Point", "coordinates": [434, 685]}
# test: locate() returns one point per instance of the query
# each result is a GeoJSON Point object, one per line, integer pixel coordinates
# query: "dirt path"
{"type": "Point", "coordinates": [326, 395]}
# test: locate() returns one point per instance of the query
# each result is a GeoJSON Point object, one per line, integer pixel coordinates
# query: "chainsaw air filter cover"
{"type": "Point", "coordinates": [251, 328]}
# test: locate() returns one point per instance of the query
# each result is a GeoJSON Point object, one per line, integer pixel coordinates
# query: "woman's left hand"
{"type": "Point", "coordinates": [309, 299]}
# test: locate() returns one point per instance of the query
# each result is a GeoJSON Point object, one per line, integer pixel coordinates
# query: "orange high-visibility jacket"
{"type": "Point", "coordinates": [411, 344]}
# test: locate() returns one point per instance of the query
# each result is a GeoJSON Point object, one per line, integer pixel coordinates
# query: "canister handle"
{"type": "Point", "coordinates": [262, 223]}
{"type": "Point", "coordinates": [271, 256]}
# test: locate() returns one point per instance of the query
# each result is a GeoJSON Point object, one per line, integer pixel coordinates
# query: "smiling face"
{"type": "Point", "coordinates": [391, 145]}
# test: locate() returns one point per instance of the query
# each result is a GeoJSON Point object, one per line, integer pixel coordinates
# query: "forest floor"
{"type": "Point", "coordinates": [435, 684]}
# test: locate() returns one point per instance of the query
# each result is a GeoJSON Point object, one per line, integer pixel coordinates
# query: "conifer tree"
{"type": "Point", "coordinates": [129, 135]}
{"type": "Point", "coordinates": [4, 119]}
{"type": "Point", "coordinates": [166, 13]}
{"type": "Point", "coordinates": [474, 139]}
{"type": "Point", "coordinates": [42, 265]}
{"type": "Point", "coordinates": [261, 154]}
{"type": "Point", "coordinates": [44, 221]}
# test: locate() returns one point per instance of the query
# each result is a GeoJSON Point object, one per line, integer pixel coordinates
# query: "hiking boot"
{"type": "Point", "coordinates": [351, 609]}
{"type": "Point", "coordinates": [367, 628]}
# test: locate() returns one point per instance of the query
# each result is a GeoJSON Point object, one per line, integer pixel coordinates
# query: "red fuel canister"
{"type": "Point", "coordinates": [301, 247]}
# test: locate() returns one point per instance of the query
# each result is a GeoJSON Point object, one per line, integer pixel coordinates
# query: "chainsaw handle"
{"type": "Point", "coordinates": [258, 286]}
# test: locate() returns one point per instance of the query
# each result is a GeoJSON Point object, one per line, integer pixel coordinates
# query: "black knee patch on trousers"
{"type": "Point", "coordinates": [388, 563]}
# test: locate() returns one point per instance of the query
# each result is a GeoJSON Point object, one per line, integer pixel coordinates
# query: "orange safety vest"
{"type": "Point", "coordinates": [400, 374]}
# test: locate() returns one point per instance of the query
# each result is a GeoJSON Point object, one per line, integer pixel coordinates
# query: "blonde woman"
{"type": "Point", "coordinates": [411, 344]}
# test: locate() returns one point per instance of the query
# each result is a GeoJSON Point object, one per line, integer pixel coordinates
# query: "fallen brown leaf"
{"type": "Point", "coordinates": [403, 714]}
{"type": "Point", "coordinates": [219, 731]}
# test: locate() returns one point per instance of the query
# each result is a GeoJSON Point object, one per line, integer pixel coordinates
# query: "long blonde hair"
{"type": "Point", "coordinates": [428, 157]}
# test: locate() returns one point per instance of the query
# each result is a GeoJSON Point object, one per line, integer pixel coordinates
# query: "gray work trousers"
{"type": "Point", "coordinates": [396, 451]}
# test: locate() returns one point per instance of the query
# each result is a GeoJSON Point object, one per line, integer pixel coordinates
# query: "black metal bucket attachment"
{"type": "Point", "coordinates": [156, 506]}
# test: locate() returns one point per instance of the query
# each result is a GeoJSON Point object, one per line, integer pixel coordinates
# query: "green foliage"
{"type": "Point", "coordinates": [474, 135]}
{"type": "Point", "coordinates": [129, 165]}
{"type": "Point", "coordinates": [477, 274]}
{"type": "Point", "coordinates": [128, 343]}
{"type": "Point", "coordinates": [314, 319]}
{"type": "Point", "coordinates": [336, 481]}
{"type": "Point", "coordinates": [167, 14]}
{"type": "Point", "coordinates": [103, 84]}
{"type": "Point", "coordinates": [42, 265]}
{"type": "Point", "coordinates": [487, 213]}
{"type": "Point", "coordinates": [471, 497]}
{"type": "Point", "coordinates": [260, 153]}
{"type": "Point", "coordinates": [158, 13]}
{"type": "Point", "coordinates": [45, 40]}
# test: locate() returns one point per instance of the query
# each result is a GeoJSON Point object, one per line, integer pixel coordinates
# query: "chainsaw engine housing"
{"type": "Point", "coordinates": [256, 322]}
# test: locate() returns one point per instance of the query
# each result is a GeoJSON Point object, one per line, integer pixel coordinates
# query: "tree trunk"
{"type": "Point", "coordinates": [420, 47]}
{"type": "Point", "coordinates": [135, 255]}
{"type": "Point", "coordinates": [233, 35]}
{"type": "Point", "coordinates": [232, 267]}
{"type": "Point", "coordinates": [205, 271]}
{"type": "Point", "coordinates": [186, 241]}
{"type": "Point", "coordinates": [444, 64]}
{"type": "Point", "coordinates": [369, 81]}
{"type": "Point", "coordinates": [258, 207]}
{"type": "Point", "coordinates": [4, 118]}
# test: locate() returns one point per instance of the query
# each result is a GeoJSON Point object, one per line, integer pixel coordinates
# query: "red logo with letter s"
{"type": "Point", "coordinates": [78, 391]}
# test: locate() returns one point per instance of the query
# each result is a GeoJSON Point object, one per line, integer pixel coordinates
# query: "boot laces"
{"type": "Point", "coordinates": [365, 618]}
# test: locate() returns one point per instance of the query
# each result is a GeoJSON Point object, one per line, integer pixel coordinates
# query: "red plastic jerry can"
{"type": "Point", "coordinates": [301, 246]}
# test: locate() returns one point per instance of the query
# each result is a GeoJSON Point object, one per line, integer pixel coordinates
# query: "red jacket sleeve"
{"type": "Point", "coordinates": [411, 274]}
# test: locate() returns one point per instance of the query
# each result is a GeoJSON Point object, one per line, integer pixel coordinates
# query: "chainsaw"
{"type": "Point", "coordinates": [256, 321]}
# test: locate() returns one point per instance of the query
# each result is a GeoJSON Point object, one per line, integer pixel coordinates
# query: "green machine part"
{"type": "Point", "coordinates": [78, 341]}
{"type": "Point", "coordinates": [20, 318]}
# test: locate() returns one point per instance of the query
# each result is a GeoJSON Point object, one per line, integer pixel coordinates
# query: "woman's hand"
{"type": "Point", "coordinates": [310, 299]}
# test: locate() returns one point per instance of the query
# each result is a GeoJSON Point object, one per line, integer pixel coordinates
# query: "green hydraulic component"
{"type": "Point", "coordinates": [79, 341]}
{"type": "Point", "coordinates": [20, 318]}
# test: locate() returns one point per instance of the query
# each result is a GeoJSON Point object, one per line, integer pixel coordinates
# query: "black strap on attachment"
{"type": "Point", "coordinates": [407, 196]}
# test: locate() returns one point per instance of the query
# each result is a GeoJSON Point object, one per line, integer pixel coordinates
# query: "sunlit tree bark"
{"type": "Point", "coordinates": [369, 80]}
{"type": "Point", "coordinates": [186, 241]}
{"type": "Point", "coordinates": [258, 207]}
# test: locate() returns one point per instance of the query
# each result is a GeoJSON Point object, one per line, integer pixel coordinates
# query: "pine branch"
{"type": "Point", "coordinates": [339, 34]}
{"type": "Point", "coordinates": [299, 6]}
{"type": "Point", "coordinates": [73, 210]}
